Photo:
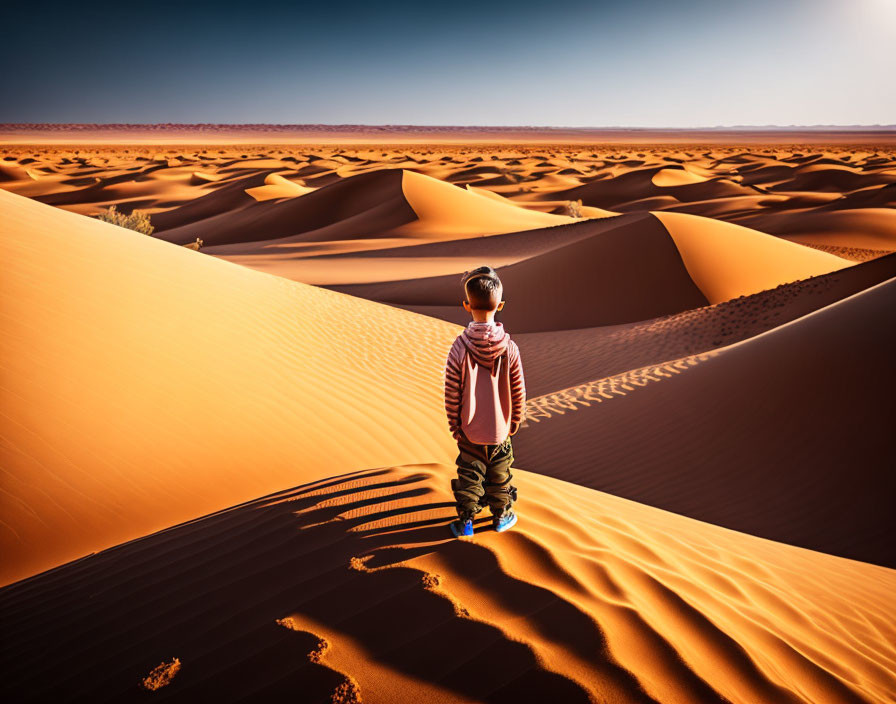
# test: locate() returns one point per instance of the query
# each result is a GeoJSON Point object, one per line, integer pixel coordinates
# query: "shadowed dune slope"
{"type": "Point", "coordinates": [228, 197]}
{"type": "Point", "coordinates": [387, 202]}
{"type": "Point", "coordinates": [653, 182]}
{"type": "Point", "coordinates": [787, 435]}
{"type": "Point", "coordinates": [628, 268]}
{"type": "Point", "coordinates": [144, 384]}
{"type": "Point", "coordinates": [511, 245]}
{"type": "Point", "coordinates": [351, 586]}
{"type": "Point", "coordinates": [625, 273]}
{"type": "Point", "coordinates": [377, 259]}
{"type": "Point", "coordinates": [364, 204]}
{"type": "Point", "coordinates": [561, 358]}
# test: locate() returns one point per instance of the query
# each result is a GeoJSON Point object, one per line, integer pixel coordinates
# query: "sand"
{"type": "Point", "coordinates": [828, 494]}
{"type": "Point", "coordinates": [128, 396]}
{"type": "Point", "coordinates": [352, 582]}
{"type": "Point", "coordinates": [726, 260]}
{"type": "Point", "coordinates": [705, 474]}
{"type": "Point", "coordinates": [837, 199]}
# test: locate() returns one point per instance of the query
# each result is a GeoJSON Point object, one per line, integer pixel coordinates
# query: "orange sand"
{"type": "Point", "coordinates": [719, 353]}
{"type": "Point", "coordinates": [127, 397]}
{"type": "Point", "coordinates": [353, 579]}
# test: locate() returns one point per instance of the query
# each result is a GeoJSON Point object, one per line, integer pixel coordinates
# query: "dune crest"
{"type": "Point", "coordinates": [448, 210]}
{"type": "Point", "coordinates": [726, 260]}
{"type": "Point", "coordinates": [667, 178]}
{"type": "Point", "coordinates": [277, 186]}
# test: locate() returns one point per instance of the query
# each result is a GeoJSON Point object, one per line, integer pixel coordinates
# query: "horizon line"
{"type": "Point", "coordinates": [58, 125]}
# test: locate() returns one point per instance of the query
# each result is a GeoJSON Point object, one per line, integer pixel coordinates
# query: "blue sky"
{"type": "Point", "coordinates": [677, 63]}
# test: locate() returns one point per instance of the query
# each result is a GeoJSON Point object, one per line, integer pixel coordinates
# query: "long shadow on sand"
{"type": "Point", "coordinates": [212, 591]}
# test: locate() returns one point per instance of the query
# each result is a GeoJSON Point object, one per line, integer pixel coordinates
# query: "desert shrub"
{"type": "Point", "coordinates": [574, 209]}
{"type": "Point", "coordinates": [137, 220]}
{"type": "Point", "coordinates": [162, 675]}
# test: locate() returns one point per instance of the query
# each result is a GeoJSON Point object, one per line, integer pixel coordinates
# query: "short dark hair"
{"type": "Point", "coordinates": [483, 288]}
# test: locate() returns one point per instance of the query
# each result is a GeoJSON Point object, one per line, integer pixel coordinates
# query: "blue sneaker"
{"type": "Point", "coordinates": [506, 521]}
{"type": "Point", "coordinates": [462, 529]}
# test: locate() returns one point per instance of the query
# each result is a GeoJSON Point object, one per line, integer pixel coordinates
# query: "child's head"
{"type": "Point", "coordinates": [483, 291]}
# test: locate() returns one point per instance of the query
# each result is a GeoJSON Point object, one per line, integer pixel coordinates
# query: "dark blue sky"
{"type": "Point", "coordinates": [646, 63]}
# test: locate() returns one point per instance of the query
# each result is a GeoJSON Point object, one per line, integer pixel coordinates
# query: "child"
{"type": "Point", "coordinates": [485, 399]}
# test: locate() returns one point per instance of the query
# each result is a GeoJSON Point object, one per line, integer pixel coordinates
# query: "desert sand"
{"type": "Point", "coordinates": [349, 585]}
{"type": "Point", "coordinates": [705, 472]}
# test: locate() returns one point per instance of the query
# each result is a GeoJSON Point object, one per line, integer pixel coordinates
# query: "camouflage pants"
{"type": "Point", "coordinates": [483, 478]}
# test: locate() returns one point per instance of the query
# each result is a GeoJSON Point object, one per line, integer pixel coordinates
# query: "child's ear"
{"type": "Point", "coordinates": [466, 305]}
{"type": "Point", "coordinates": [500, 305]}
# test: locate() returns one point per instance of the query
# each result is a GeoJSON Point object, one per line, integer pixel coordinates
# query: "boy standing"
{"type": "Point", "coordinates": [485, 399]}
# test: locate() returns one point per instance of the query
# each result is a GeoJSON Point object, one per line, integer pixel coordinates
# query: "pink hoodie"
{"type": "Point", "coordinates": [485, 393]}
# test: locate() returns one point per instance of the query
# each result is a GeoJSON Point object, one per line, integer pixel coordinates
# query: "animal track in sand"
{"type": "Point", "coordinates": [600, 390]}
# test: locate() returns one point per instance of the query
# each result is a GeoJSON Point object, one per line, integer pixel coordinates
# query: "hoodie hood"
{"type": "Point", "coordinates": [486, 342]}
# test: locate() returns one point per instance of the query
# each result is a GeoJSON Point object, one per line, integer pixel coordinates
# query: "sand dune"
{"type": "Point", "coordinates": [726, 260]}
{"type": "Point", "coordinates": [387, 203]}
{"type": "Point", "coordinates": [128, 394]}
{"type": "Point", "coordinates": [653, 181]}
{"type": "Point", "coordinates": [682, 353]}
{"type": "Point", "coordinates": [628, 269]}
{"type": "Point", "coordinates": [668, 178]}
{"type": "Point", "coordinates": [771, 411]}
{"type": "Point", "coordinates": [445, 209]}
{"type": "Point", "coordinates": [350, 587]}
{"type": "Point", "coordinates": [864, 228]}
{"type": "Point", "coordinates": [365, 205]}
{"type": "Point", "coordinates": [277, 186]}
{"type": "Point", "coordinates": [184, 190]}
{"type": "Point", "coordinates": [607, 268]}
{"type": "Point", "coordinates": [203, 177]}
{"type": "Point", "coordinates": [560, 359]}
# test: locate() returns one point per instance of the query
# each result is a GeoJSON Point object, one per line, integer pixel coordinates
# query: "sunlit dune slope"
{"type": "Point", "coordinates": [351, 590]}
{"type": "Point", "coordinates": [144, 384]}
{"type": "Point", "coordinates": [867, 228]}
{"type": "Point", "coordinates": [787, 435]}
{"type": "Point", "coordinates": [726, 260]}
{"type": "Point", "coordinates": [384, 203]}
{"type": "Point", "coordinates": [445, 209]}
{"type": "Point", "coordinates": [277, 186]}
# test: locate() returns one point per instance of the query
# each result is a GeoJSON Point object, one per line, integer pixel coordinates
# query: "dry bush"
{"type": "Point", "coordinates": [137, 220]}
{"type": "Point", "coordinates": [162, 675]}
{"type": "Point", "coordinates": [574, 209]}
